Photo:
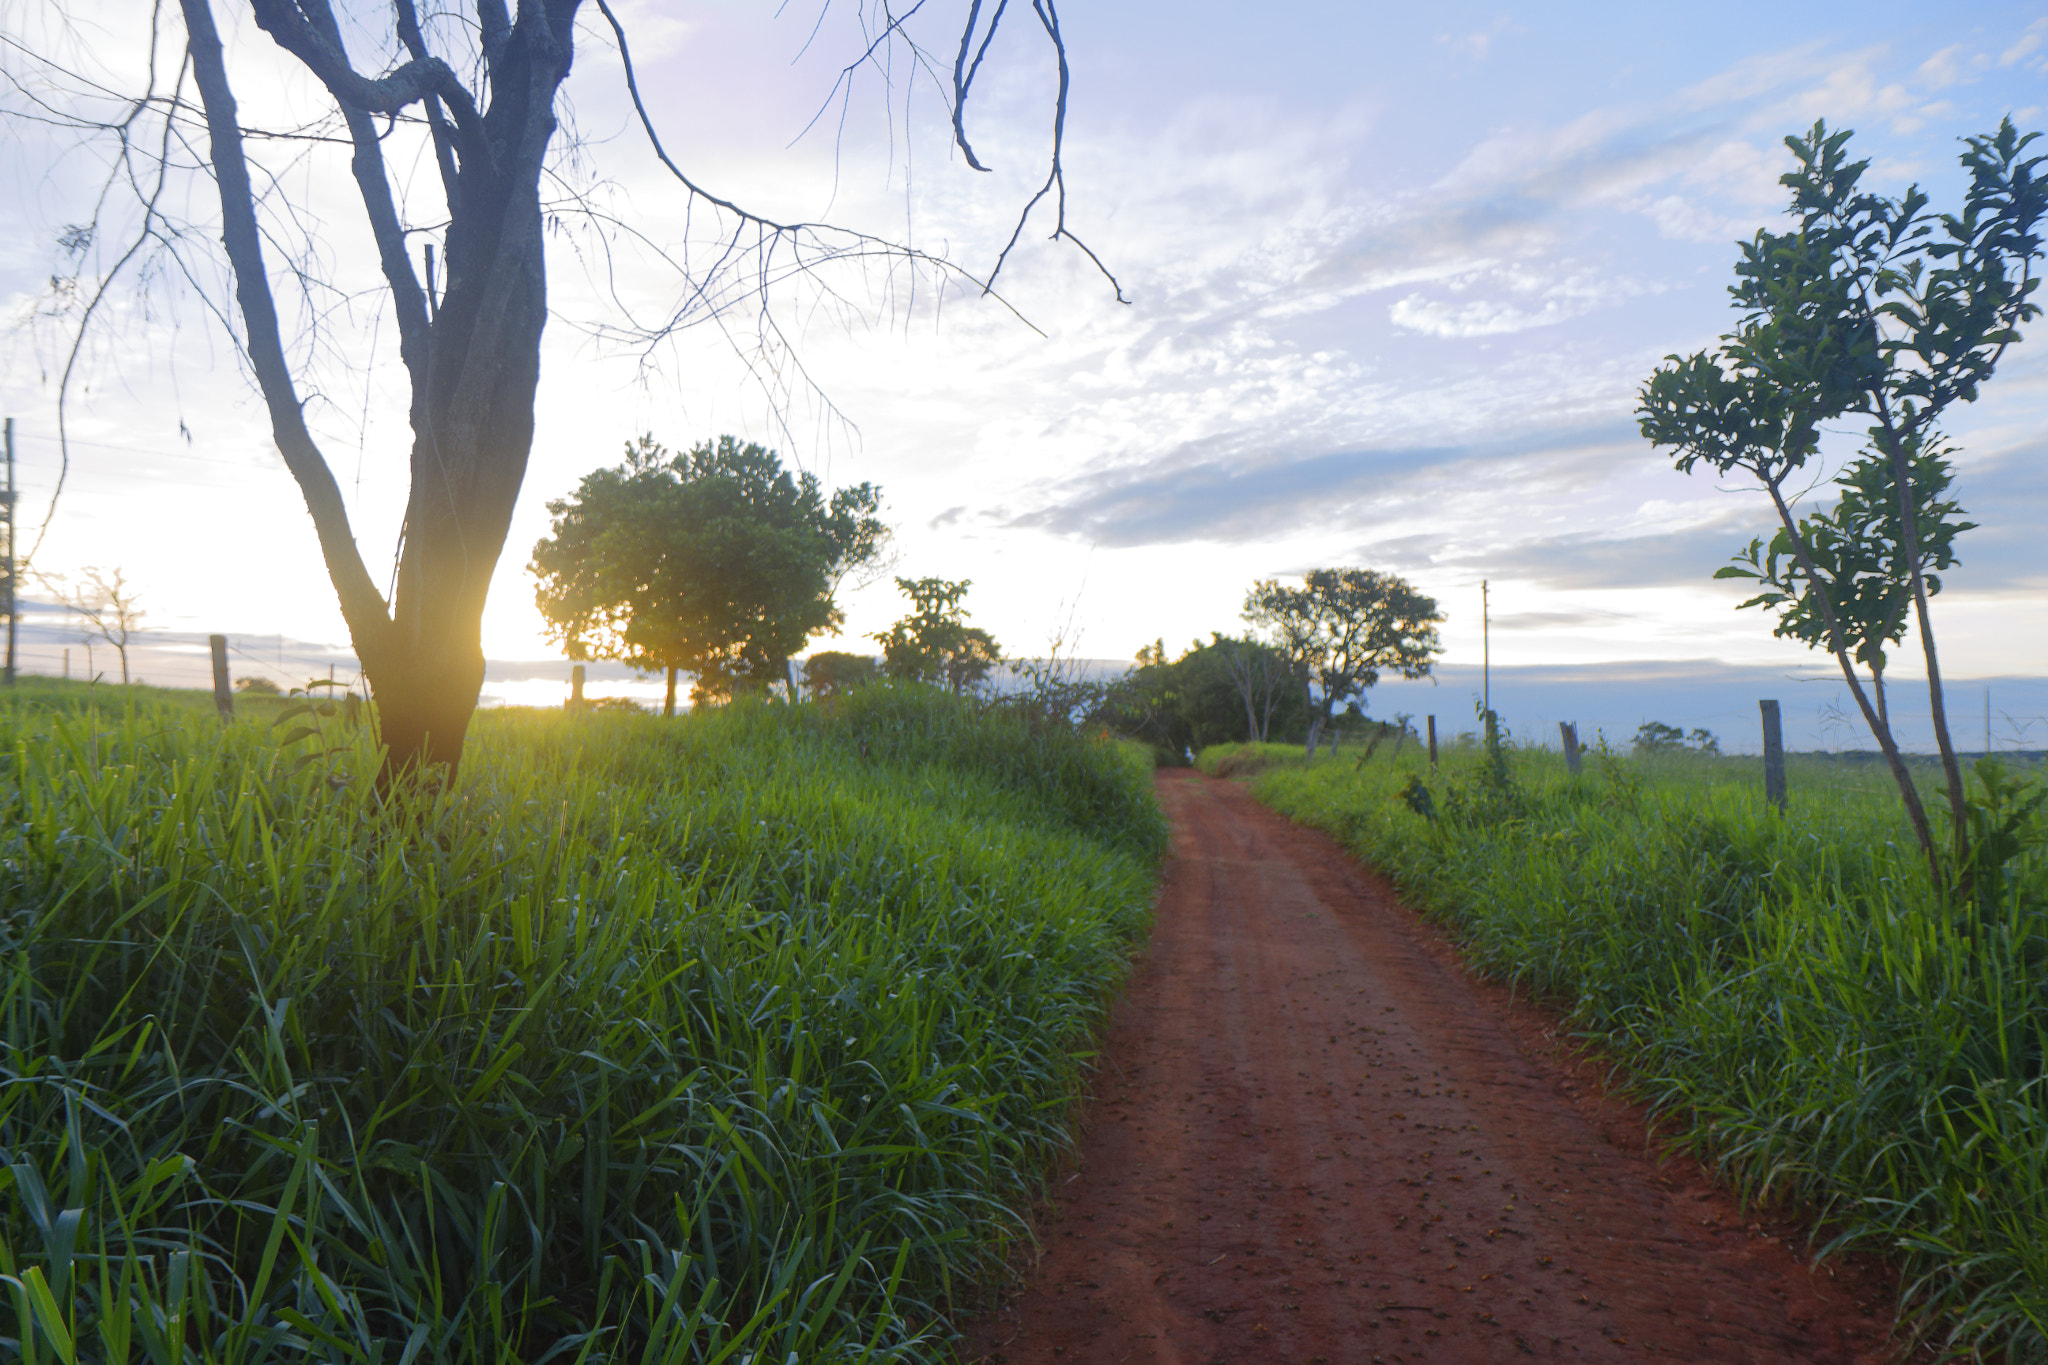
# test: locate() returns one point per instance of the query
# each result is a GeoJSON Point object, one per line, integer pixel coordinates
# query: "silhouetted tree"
{"type": "Point", "coordinates": [716, 562]}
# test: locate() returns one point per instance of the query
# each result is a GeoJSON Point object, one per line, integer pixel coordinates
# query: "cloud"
{"type": "Point", "coordinates": [1174, 498]}
{"type": "Point", "coordinates": [1944, 68]}
{"type": "Point", "coordinates": [1555, 299]}
{"type": "Point", "coordinates": [1562, 620]}
{"type": "Point", "coordinates": [1479, 46]}
{"type": "Point", "coordinates": [1227, 491]}
{"type": "Point", "coordinates": [2028, 42]}
{"type": "Point", "coordinates": [1665, 559]}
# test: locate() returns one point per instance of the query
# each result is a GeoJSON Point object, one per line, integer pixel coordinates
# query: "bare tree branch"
{"type": "Point", "coordinates": [1056, 177]}
{"type": "Point", "coordinates": [361, 604]}
{"type": "Point", "coordinates": [319, 47]}
{"type": "Point", "coordinates": [964, 74]}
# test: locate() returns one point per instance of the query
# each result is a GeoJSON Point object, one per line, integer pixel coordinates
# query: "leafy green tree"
{"type": "Point", "coordinates": [1867, 588]}
{"type": "Point", "coordinates": [1876, 308]}
{"type": "Point", "coordinates": [1343, 628]}
{"type": "Point", "coordinates": [934, 643]}
{"type": "Point", "coordinates": [1655, 737]}
{"type": "Point", "coordinates": [716, 562]}
{"type": "Point", "coordinates": [830, 672]}
{"type": "Point", "coordinates": [1185, 705]}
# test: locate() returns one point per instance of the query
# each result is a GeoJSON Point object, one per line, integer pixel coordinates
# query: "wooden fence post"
{"type": "Point", "coordinates": [1774, 755]}
{"type": "Point", "coordinates": [1432, 741]}
{"type": "Point", "coordinates": [576, 688]}
{"type": "Point", "coordinates": [223, 692]}
{"type": "Point", "coordinates": [1568, 731]}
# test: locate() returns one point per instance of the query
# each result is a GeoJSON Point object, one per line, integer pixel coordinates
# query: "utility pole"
{"type": "Point", "coordinates": [13, 599]}
{"type": "Point", "coordinates": [1486, 645]}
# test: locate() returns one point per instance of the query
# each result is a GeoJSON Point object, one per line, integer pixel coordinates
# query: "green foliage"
{"type": "Point", "coordinates": [934, 644]}
{"type": "Point", "coordinates": [1855, 568]}
{"type": "Point", "coordinates": [1796, 998]}
{"type": "Point", "coordinates": [258, 687]}
{"type": "Point", "coordinates": [1215, 692]}
{"type": "Point", "coordinates": [830, 672]}
{"type": "Point", "coordinates": [1879, 308]}
{"type": "Point", "coordinates": [1344, 627]}
{"type": "Point", "coordinates": [716, 562]}
{"type": "Point", "coordinates": [745, 1037]}
{"type": "Point", "coordinates": [1655, 737]}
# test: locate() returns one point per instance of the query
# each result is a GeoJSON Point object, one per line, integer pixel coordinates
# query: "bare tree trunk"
{"type": "Point", "coordinates": [1909, 794]}
{"type": "Point", "coordinates": [473, 356]}
{"type": "Point", "coordinates": [668, 701]}
{"type": "Point", "coordinates": [1937, 704]}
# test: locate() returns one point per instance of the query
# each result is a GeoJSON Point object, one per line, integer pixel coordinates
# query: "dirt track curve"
{"type": "Point", "coordinates": [1314, 1139]}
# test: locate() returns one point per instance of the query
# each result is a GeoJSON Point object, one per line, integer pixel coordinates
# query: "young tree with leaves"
{"type": "Point", "coordinates": [1880, 309]}
{"type": "Point", "coordinates": [1343, 628]}
{"type": "Point", "coordinates": [934, 643]}
{"type": "Point", "coordinates": [715, 562]}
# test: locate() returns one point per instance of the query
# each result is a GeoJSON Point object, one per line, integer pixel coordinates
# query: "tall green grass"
{"type": "Point", "coordinates": [738, 1038]}
{"type": "Point", "coordinates": [1787, 990]}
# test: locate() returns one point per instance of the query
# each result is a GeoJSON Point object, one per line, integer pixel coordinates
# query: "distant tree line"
{"type": "Point", "coordinates": [719, 564]}
{"type": "Point", "coordinates": [1325, 643]}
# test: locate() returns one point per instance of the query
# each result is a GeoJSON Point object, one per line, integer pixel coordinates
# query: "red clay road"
{"type": "Point", "coordinates": [1315, 1139]}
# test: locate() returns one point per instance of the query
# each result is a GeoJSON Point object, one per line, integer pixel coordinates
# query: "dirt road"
{"type": "Point", "coordinates": [1314, 1139]}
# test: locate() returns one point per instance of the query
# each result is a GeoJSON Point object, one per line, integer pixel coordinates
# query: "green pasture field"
{"type": "Point", "coordinates": [742, 1037]}
{"type": "Point", "coordinates": [1788, 991]}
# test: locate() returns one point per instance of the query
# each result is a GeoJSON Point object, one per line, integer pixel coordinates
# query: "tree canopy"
{"type": "Point", "coordinates": [1344, 627]}
{"type": "Point", "coordinates": [934, 643]}
{"type": "Point", "coordinates": [1218, 691]}
{"type": "Point", "coordinates": [831, 671]}
{"type": "Point", "coordinates": [1655, 737]}
{"type": "Point", "coordinates": [1878, 308]}
{"type": "Point", "coordinates": [716, 562]}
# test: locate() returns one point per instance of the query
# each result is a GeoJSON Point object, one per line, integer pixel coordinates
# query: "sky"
{"type": "Point", "coordinates": [1395, 275]}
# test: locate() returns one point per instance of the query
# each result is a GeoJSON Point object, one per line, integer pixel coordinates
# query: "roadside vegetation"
{"type": "Point", "coordinates": [1808, 1012]}
{"type": "Point", "coordinates": [745, 1036]}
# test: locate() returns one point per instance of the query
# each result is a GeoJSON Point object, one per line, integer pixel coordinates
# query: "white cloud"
{"type": "Point", "coordinates": [2028, 42]}
{"type": "Point", "coordinates": [1439, 317]}
{"type": "Point", "coordinates": [1530, 300]}
{"type": "Point", "coordinates": [1479, 46]}
{"type": "Point", "coordinates": [1944, 68]}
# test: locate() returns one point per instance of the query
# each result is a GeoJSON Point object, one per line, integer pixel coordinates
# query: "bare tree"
{"type": "Point", "coordinates": [1262, 676]}
{"type": "Point", "coordinates": [108, 606]}
{"type": "Point", "coordinates": [476, 94]}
